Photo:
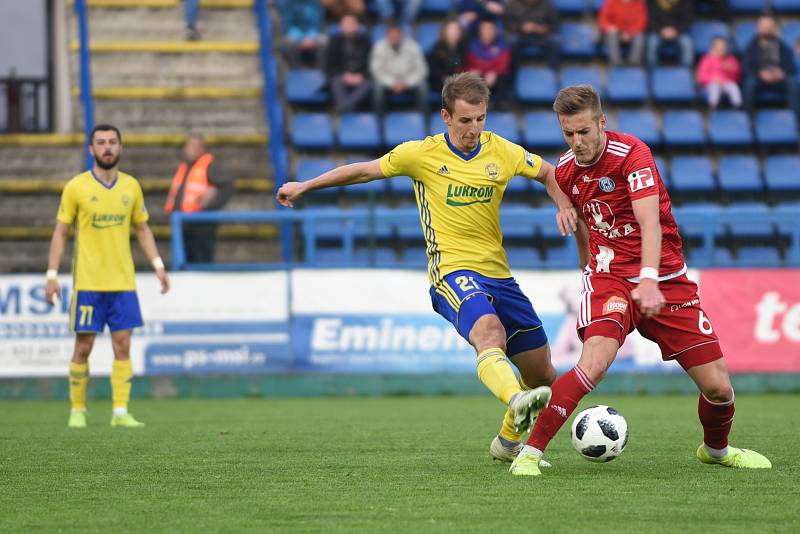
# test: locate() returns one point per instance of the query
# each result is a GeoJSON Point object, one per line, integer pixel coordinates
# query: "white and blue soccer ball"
{"type": "Point", "coordinates": [599, 433]}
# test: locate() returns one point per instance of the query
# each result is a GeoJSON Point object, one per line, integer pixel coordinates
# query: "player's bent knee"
{"type": "Point", "coordinates": [598, 354]}
{"type": "Point", "coordinates": [721, 391]}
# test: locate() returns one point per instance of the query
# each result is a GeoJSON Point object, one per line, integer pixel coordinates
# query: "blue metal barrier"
{"type": "Point", "coordinates": [309, 221]}
{"type": "Point", "coordinates": [85, 75]}
{"type": "Point", "coordinates": [274, 114]}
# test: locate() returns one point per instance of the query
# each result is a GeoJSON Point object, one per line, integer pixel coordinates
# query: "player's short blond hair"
{"type": "Point", "coordinates": [577, 98]}
{"type": "Point", "coordinates": [466, 86]}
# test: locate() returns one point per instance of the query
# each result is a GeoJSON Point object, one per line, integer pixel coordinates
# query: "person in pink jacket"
{"type": "Point", "coordinates": [718, 72]}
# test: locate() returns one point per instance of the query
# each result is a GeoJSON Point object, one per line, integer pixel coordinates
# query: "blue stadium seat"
{"type": "Point", "coordinates": [745, 32]}
{"type": "Point", "coordinates": [627, 84]}
{"type": "Point", "coordinates": [359, 131]}
{"type": "Point", "coordinates": [328, 257]}
{"type": "Point", "coordinates": [573, 7]}
{"type": "Point", "coordinates": [684, 128]}
{"type": "Point", "coordinates": [562, 257]}
{"type": "Point", "coordinates": [747, 6]}
{"type": "Point", "coordinates": [776, 127]}
{"type": "Point", "coordinates": [758, 256]}
{"type": "Point", "coordinates": [761, 230]}
{"type": "Point", "coordinates": [641, 123]}
{"type": "Point", "coordinates": [672, 84]}
{"type": "Point", "coordinates": [729, 128]}
{"type": "Point", "coordinates": [541, 129]}
{"type": "Point", "coordinates": [577, 40]}
{"type": "Point", "coordinates": [504, 124]}
{"type": "Point", "coordinates": [381, 256]}
{"type": "Point", "coordinates": [410, 232]}
{"type": "Point", "coordinates": [401, 187]}
{"type": "Point", "coordinates": [536, 84]}
{"type": "Point", "coordinates": [739, 174]}
{"type": "Point", "coordinates": [427, 35]}
{"type": "Point", "coordinates": [692, 174]}
{"type": "Point", "coordinates": [522, 230]}
{"type": "Point", "coordinates": [414, 256]}
{"type": "Point", "coordinates": [520, 257]}
{"type": "Point", "coordinates": [435, 123]}
{"type": "Point", "coordinates": [400, 126]}
{"type": "Point", "coordinates": [790, 32]}
{"type": "Point", "coordinates": [382, 231]}
{"type": "Point", "coordinates": [780, 173]}
{"type": "Point", "coordinates": [308, 168]}
{"type": "Point", "coordinates": [663, 170]}
{"type": "Point", "coordinates": [439, 7]}
{"type": "Point", "coordinates": [306, 86]}
{"type": "Point", "coordinates": [518, 185]}
{"type": "Point", "coordinates": [312, 131]}
{"type": "Point", "coordinates": [579, 75]}
{"type": "Point", "coordinates": [705, 32]}
{"type": "Point", "coordinates": [378, 188]}
{"type": "Point", "coordinates": [786, 6]}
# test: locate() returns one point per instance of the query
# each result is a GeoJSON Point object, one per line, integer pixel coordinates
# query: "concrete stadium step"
{"type": "Point", "coordinates": [153, 24]}
{"type": "Point", "coordinates": [209, 116]}
{"type": "Point", "coordinates": [38, 157]}
{"type": "Point", "coordinates": [43, 186]}
{"type": "Point", "coordinates": [134, 69]}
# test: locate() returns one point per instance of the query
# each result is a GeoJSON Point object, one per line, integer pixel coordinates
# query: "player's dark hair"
{"type": "Point", "coordinates": [576, 98]}
{"type": "Point", "coordinates": [466, 86]}
{"type": "Point", "coordinates": [105, 128]}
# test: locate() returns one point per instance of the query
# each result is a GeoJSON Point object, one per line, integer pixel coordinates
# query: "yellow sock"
{"type": "Point", "coordinates": [507, 430]}
{"type": "Point", "coordinates": [121, 374]}
{"type": "Point", "coordinates": [495, 371]}
{"type": "Point", "coordinates": [78, 383]}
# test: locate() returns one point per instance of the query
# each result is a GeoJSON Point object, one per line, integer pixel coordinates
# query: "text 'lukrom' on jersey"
{"type": "Point", "coordinates": [604, 192]}
{"type": "Point", "coordinates": [102, 260]}
{"type": "Point", "coordinates": [459, 197]}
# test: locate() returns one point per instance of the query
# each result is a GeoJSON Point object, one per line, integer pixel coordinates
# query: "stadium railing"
{"type": "Point", "coordinates": [274, 112]}
{"type": "Point", "coordinates": [309, 221]}
{"type": "Point", "coordinates": [85, 72]}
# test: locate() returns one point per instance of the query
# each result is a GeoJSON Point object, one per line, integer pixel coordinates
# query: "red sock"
{"type": "Point", "coordinates": [717, 420]}
{"type": "Point", "coordinates": [568, 391]}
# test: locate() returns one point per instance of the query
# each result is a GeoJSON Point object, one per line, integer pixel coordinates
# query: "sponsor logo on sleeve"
{"type": "Point", "coordinates": [641, 179]}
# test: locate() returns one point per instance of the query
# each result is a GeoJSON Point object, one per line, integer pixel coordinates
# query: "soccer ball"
{"type": "Point", "coordinates": [599, 433]}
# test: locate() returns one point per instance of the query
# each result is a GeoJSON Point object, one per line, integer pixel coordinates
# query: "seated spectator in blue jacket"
{"type": "Point", "coordinates": [388, 10]}
{"type": "Point", "coordinates": [303, 42]}
{"type": "Point", "coordinates": [534, 23]}
{"type": "Point", "coordinates": [470, 12]}
{"type": "Point", "coordinates": [670, 22]}
{"type": "Point", "coordinates": [398, 67]}
{"type": "Point", "coordinates": [347, 65]}
{"type": "Point", "coordinates": [448, 54]}
{"type": "Point", "coordinates": [768, 64]}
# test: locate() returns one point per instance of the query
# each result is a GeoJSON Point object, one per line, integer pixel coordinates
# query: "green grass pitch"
{"type": "Point", "coordinates": [401, 464]}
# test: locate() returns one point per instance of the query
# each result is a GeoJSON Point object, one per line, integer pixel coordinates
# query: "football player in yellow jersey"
{"type": "Point", "coordinates": [459, 180]}
{"type": "Point", "coordinates": [103, 203]}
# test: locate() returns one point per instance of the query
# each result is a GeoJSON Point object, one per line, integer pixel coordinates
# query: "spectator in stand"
{"type": "Point", "coordinates": [534, 23]}
{"type": "Point", "coordinates": [470, 12]}
{"type": "Point", "coordinates": [339, 8]}
{"type": "Point", "coordinates": [303, 42]}
{"type": "Point", "coordinates": [718, 72]}
{"type": "Point", "coordinates": [390, 10]}
{"type": "Point", "coordinates": [347, 65]}
{"type": "Point", "coordinates": [489, 55]}
{"type": "Point", "coordinates": [398, 67]}
{"type": "Point", "coordinates": [768, 63]}
{"type": "Point", "coordinates": [447, 56]}
{"type": "Point", "coordinates": [623, 22]}
{"type": "Point", "coordinates": [670, 22]}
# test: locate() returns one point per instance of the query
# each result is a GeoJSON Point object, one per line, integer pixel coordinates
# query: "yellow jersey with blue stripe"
{"type": "Point", "coordinates": [459, 197]}
{"type": "Point", "coordinates": [103, 214]}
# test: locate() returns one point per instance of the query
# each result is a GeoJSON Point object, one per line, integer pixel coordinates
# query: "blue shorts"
{"type": "Point", "coordinates": [465, 296]}
{"type": "Point", "coordinates": [91, 311]}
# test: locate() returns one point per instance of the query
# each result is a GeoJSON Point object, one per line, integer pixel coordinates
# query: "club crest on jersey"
{"type": "Point", "coordinates": [615, 304]}
{"type": "Point", "coordinates": [599, 215]}
{"type": "Point", "coordinates": [493, 171]}
{"type": "Point", "coordinates": [125, 200]}
{"type": "Point", "coordinates": [607, 184]}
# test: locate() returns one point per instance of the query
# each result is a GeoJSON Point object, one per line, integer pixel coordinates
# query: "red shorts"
{"type": "Point", "coordinates": [682, 330]}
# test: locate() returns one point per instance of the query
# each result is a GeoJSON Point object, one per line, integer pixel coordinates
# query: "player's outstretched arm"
{"type": "Point", "coordinates": [567, 216]}
{"type": "Point", "coordinates": [60, 234]}
{"type": "Point", "coordinates": [354, 173]}
{"type": "Point", "coordinates": [148, 243]}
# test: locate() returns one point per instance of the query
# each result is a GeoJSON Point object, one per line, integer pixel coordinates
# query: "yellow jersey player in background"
{"type": "Point", "coordinates": [459, 181]}
{"type": "Point", "coordinates": [103, 203]}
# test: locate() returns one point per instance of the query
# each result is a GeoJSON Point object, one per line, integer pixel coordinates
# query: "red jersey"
{"type": "Point", "coordinates": [605, 191]}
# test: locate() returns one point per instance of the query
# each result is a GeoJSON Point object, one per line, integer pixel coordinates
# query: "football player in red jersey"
{"type": "Point", "coordinates": [634, 278]}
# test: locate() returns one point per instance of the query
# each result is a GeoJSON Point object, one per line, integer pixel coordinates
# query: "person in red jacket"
{"type": "Point", "coordinates": [623, 22]}
{"type": "Point", "coordinates": [489, 55]}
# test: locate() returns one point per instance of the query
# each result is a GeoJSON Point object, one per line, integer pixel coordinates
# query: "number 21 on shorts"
{"type": "Point", "coordinates": [466, 283]}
